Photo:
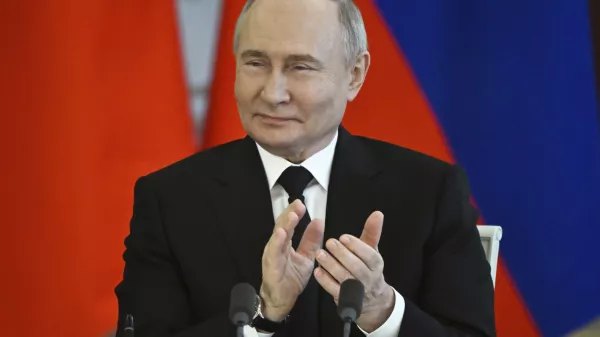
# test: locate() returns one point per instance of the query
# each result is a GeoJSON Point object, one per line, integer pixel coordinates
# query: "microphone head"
{"type": "Point", "coordinates": [350, 302]}
{"type": "Point", "coordinates": [242, 304]}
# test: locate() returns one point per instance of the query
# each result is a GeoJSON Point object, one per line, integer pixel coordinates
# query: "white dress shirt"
{"type": "Point", "coordinates": [315, 198]}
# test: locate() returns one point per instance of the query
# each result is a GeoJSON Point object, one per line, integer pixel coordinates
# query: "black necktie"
{"type": "Point", "coordinates": [294, 180]}
{"type": "Point", "coordinates": [304, 318]}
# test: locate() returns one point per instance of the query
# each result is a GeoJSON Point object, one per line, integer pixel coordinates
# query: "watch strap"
{"type": "Point", "coordinates": [261, 323]}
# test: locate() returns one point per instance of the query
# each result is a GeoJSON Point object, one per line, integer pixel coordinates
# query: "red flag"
{"type": "Point", "coordinates": [223, 123]}
{"type": "Point", "coordinates": [93, 96]}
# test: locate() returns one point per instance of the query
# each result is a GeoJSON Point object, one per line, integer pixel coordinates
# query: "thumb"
{"type": "Point", "coordinates": [372, 230]}
{"type": "Point", "coordinates": [312, 239]}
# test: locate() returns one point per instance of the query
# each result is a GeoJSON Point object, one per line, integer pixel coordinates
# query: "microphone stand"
{"type": "Point", "coordinates": [350, 302]}
{"type": "Point", "coordinates": [347, 326]}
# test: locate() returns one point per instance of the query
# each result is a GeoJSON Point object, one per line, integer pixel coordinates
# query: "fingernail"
{"type": "Point", "coordinates": [345, 239]}
{"type": "Point", "coordinates": [318, 272]}
{"type": "Point", "coordinates": [321, 255]}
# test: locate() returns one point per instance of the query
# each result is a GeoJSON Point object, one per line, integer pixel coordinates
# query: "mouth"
{"type": "Point", "coordinates": [275, 120]}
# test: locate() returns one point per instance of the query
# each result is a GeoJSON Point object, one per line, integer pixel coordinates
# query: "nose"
{"type": "Point", "coordinates": [275, 91]}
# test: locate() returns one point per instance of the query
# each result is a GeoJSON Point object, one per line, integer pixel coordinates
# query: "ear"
{"type": "Point", "coordinates": [358, 74]}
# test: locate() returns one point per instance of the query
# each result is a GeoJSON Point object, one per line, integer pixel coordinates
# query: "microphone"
{"type": "Point", "coordinates": [242, 306]}
{"type": "Point", "coordinates": [350, 302]}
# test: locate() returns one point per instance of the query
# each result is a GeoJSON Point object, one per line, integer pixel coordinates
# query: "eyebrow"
{"type": "Point", "coordinates": [254, 53]}
{"type": "Point", "coordinates": [304, 58]}
{"type": "Point", "coordinates": [289, 59]}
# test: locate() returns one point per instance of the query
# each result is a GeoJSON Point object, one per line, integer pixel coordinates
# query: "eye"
{"type": "Point", "coordinates": [301, 67]}
{"type": "Point", "coordinates": [254, 63]}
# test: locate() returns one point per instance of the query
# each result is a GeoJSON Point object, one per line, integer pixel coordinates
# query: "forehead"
{"type": "Point", "coordinates": [291, 27]}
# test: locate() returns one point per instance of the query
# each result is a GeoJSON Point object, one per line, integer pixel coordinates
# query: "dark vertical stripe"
{"type": "Point", "coordinates": [595, 21]}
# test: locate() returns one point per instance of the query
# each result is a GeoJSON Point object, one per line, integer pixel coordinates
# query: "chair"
{"type": "Point", "coordinates": [490, 239]}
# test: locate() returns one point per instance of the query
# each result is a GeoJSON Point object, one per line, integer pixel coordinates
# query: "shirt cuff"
{"type": "Point", "coordinates": [391, 327]}
{"type": "Point", "coordinates": [251, 332]}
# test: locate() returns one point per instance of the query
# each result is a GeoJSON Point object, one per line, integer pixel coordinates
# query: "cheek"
{"type": "Point", "coordinates": [245, 88]}
{"type": "Point", "coordinates": [311, 93]}
{"type": "Point", "coordinates": [316, 100]}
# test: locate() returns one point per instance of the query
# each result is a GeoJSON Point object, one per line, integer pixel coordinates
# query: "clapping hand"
{"type": "Point", "coordinates": [286, 271]}
{"type": "Point", "coordinates": [359, 258]}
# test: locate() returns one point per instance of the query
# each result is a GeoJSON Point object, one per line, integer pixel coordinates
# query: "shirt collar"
{"type": "Point", "coordinates": [319, 164]}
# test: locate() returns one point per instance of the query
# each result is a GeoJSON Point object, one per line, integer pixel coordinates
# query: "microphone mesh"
{"type": "Point", "coordinates": [352, 293]}
{"type": "Point", "coordinates": [243, 302]}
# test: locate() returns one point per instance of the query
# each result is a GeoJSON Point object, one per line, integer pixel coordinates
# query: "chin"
{"type": "Point", "coordinates": [275, 138]}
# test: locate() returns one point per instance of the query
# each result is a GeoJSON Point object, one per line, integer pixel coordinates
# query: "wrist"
{"type": "Point", "coordinates": [270, 311]}
{"type": "Point", "coordinates": [373, 320]}
{"type": "Point", "coordinates": [267, 324]}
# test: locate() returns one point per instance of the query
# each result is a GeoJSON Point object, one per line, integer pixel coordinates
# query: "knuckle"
{"type": "Point", "coordinates": [376, 261]}
{"type": "Point", "coordinates": [347, 276]}
{"type": "Point", "coordinates": [380, 262]}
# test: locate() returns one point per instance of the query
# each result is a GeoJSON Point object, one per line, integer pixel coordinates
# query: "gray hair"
{"type": "Point", "coordinates": [354, 34]}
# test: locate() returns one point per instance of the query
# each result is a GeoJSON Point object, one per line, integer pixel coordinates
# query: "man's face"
{"type": "Point", "coordinates": [292, 82]}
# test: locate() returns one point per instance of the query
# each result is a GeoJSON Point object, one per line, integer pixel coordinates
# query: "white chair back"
{"type": "Point", "coordinates": [490, 239]}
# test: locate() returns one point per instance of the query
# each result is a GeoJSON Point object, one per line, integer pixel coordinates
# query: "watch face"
{"type": "Point", "coordinates": [261, 323]}
{"type": "Point", "coordinates": [257, 306]}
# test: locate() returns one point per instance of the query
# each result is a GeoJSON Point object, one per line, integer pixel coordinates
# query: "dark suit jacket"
{"type": "Point", "coordinates": [200, 226]}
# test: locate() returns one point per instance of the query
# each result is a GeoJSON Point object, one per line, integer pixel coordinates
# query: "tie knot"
{"type": "Point", "coordinates": [294, 180]}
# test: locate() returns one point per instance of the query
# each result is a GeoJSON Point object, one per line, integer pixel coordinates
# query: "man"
{"type": "Point", "coordinates": [298, 206]}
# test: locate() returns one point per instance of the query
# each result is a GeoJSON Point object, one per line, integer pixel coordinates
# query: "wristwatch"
{"type": "Point", "coordinates": [259, 322]}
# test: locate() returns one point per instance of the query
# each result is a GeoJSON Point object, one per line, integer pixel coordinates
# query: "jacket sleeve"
{"type": "Point", "coordinates": [152, 290]}
{"type": "Point", "coordinates": [456, 297]}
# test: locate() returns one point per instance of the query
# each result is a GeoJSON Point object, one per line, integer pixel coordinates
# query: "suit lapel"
{"type": "Point", "coordinates": [350, 200]}
{"type": "Point", "coordinates": [350, 196]}
{"type": "Point", "coordinates": [244, 209]}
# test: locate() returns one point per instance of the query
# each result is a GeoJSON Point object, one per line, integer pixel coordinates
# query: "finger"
{"type": "Point", "coordinates": [328, 283]}
{"type": "Point", "coordinates": [372, 230]}
{"type": "Point", "coordinates": [290, 225]}
{"type": "Point", "coordinates": [348, 259]}
{"type": "Point", "coordinates": [278, 243]}
{"type": "Point", "coordinates": [287, 224]}
{"type": "Point", "coordinates": [289, 218]}
{"type": "Point", "coordinates": [333, 267]}
{"type": "Point", "coordinates": [275, 253]}
{"type": "Point", "coordinates": [367, 254]}
{"type": "Point", "coordinates": [312, 239]}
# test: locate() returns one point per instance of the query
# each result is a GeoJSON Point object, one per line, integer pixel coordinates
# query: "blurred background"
{"type": "Point", "coordinates": [97, 93]}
